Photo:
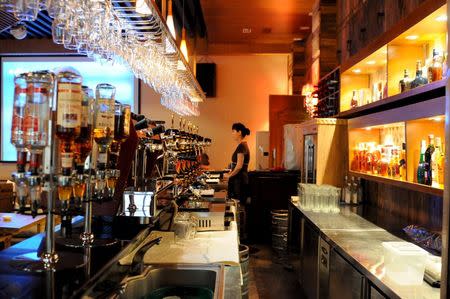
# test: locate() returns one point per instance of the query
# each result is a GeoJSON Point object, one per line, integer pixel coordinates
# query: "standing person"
{"type": "Point", "coordinates": [238, 176]}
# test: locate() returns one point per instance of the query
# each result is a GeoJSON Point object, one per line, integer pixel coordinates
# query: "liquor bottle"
{"type": "Point", "coordinates": [346, 191]}
{"type": "Point", "coordinates": [440, 161]}
{"type": "Point", "coordinates": [37, 110]}
{"type": "Point", "coordinates": [402, 162]}
{"type": "Point", "coordinates": [83, 143]}
{"type": "Point", "coordinates": [68, 115]}
{"type": "Point", "coordinates": [435, 69]}
{"type": "Point", "coordinates": [18, 116]}
{"type": "Point", "coordinates": [421, 169]}
{"type": "Point", "coordinates": [39, 94]}
{"type": "Point", "coordinates": [434, 161]}
{"type": "Point", "coordinates": [405, 83]}
{"type": "Point", "coordinates": [122, 120]}
{"type": "Point", "coordinates": [104, 121]}
{"type": "Point", "coordinates": [428, 163]}
{"type": "Point", "coordinates": [354, 100]}
{"type": "Point", "coordinates": [419, 80]}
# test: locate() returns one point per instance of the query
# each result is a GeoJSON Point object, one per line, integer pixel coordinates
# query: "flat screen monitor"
{"type": "Point", "coordinates": [92, 72]}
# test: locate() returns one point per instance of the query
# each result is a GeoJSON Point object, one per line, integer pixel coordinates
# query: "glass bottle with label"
{"type": "Point", "coordinates": [402, 162]}
{"type": "Point", "coordinates": [440, 161]}
{"type": "Point", "coordinates": [18, 139]}
{"type": "Point", "coordinates": [40, 86]}
{"type": "Point", "coordinates": [405, 83]}
{"type": "Point", "coordinates": [122, 118]}
{"type": "Point", "coordinates": [354, 100]}
{"type": "Point", "coordinates": [421, 169]}
{"type": "Point", "coordinates": [83, 143]}
{"type": "Point", "coordinates": [435, 69]}
{"type": "Point", "coordinates": [68, 115]}
{"type": "Point", "coordinates": [104, 121]}
{"type": "Point", "coordinates": [419, 80]}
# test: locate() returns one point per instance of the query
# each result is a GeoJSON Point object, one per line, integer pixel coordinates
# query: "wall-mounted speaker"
{"type": "Point", "coordinates": [206, 77]}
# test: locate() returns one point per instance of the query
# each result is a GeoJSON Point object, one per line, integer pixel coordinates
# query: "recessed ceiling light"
{"type": "Point", "coordinates": [412, 37]}
{"type": "Point", "coordinates": [246, 30]}
{"type": "Point", "coordinates": [371, 62]}
{"type": "Point", "coordinates": [442, 18]}
{"type": "Point", "coordinates": [357, 71]}
{"type": "Point", "coordinates": [305, 28]}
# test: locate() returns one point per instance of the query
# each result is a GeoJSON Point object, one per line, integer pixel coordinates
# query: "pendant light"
{"type": "Point", "coordinates": [169, 21]}
{"type": "Point", "coordinates": [142, 8]}
{"type": "Point", "coordinates": [183, 45]}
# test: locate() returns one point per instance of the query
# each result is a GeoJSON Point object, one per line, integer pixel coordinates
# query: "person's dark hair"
{"type": "Point", "coordinates": [239, 127]}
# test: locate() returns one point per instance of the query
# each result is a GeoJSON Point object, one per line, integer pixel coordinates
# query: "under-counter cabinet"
{"type": "Point", "coordinates": [309, 259]}
{"type": "Point", "coordinates": [345, 281]}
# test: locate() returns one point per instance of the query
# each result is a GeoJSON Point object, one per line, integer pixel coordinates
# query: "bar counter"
{"type": "Point", "coordinates": [360, 243]}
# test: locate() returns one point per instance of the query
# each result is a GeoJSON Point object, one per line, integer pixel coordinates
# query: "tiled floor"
{"type": "Point", "coordinates": [271, 280]}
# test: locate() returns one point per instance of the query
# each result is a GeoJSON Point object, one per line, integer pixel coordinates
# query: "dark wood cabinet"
{"type": "Point", "coordinates": [268, 191]}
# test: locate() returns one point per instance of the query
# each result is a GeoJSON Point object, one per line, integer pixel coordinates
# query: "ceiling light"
{"type": "Point", "coordinates": [442, 18]}
{"type": "Point", "coordinates": [371, 62]}
{"type": "Point", "coordinates": [357, 71]}
{"type": "Point", "coordinates": [437, 118]}
{"type": "Point", "coordinates": [19, 31]}
{"type": "Point", "coordinates": [412, 37]}
{"type": "Point", "coordinates": [183, 45]}
{"type": "Point", "coordinates": [297, 39]}
{"type": "Point", "coordinates": [246, 30]}
{"type": "Point", "coordinates": [169, 21]}
{"type": "Point", "coordinates": [142, 8]}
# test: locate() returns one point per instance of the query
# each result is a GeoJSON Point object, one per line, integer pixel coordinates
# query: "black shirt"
{"type": "Point", "coordinates": [242, 148]}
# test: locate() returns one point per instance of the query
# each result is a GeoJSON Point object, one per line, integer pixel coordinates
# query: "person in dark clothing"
{"type": "Point", "coordinates": [238, 176]}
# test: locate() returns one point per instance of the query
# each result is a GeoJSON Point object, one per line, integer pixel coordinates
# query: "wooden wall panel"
{"type": "Point", "coordinates": [283, 110]}
{"type": "Point", "coordinates": [416, 208]}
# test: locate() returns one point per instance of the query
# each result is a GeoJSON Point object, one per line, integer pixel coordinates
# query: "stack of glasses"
{"type": "Point", "coordinates": [323, 198]}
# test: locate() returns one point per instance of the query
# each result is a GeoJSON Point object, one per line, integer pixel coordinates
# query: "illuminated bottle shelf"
{"type": "Point", "coordinates": [386, 146]}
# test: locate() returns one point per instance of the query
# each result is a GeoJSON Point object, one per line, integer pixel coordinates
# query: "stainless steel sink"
{"type": "Point", "coordinates": [159, 276]}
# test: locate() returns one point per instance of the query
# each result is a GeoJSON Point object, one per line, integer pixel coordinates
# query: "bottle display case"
{"type": "Point", "coordinates": [402, 146]}
{"type": "Point", "coordinates": [413, 60]}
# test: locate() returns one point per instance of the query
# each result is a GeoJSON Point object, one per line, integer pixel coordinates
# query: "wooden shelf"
{"type": "Point", "coordinates": [418, 94]}
{"type": "Point", "coordinates": [402, 184]}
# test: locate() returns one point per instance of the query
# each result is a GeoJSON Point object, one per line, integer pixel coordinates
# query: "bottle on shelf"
{"type": "Point", "coordinates": [402, 162]}
{"type": "Point", "coordinates": [434, 161]}
{"type": "Point", "coordinates": [428, 163]}
{"type": "Point", "coordinates": [405, 83]}
{"type": "Point", "coordinates": [435, 69]}
{"type": "Point", "coordinates": [354, 191]}
{"type": "Point", "coordinates": [421, 169]}
{"type": "Point", "coordinates": [419, 80]}
{"type": "Point", "coordinates": [440, 161]}
{"type": "Point", "coordinates": [346, 191]}
{"type": "Point", "coordinates": [354, 100]}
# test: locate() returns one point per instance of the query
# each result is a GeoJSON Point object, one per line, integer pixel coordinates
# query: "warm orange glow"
{"type": "Point", "coordinates": [183, 45]}
{"type": "Point", "coordinates": [169, 21]}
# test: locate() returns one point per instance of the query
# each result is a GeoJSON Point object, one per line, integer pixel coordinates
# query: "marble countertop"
{"type": "Point", "coordinates": [360, 242]}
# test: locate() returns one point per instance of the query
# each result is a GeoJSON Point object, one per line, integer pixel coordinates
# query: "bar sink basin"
{"type": "Point", "coordinates": [175, 281]}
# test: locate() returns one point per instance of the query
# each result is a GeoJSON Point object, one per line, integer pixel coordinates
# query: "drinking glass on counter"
{"type": "Point", "coordinates": [323, 198]}
{"type": "Point", "coordinates": [185, 226]}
